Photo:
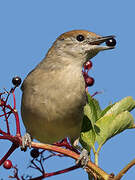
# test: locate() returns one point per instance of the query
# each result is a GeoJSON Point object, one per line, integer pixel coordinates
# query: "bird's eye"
{"type": "Point", "coordinates": [80, 37]}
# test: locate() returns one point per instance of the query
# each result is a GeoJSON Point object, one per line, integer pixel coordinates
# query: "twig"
{"type": "Point", "coordinates": [6, 119]}
{"type": "Point", "coordinates": [45, 175]}
{"type": "Point", "coordinates": [133, 126]}
{"type": "Point", "coordinates": [73, 155]}
{"type": "Point", "coordinates": [12, 148]}
{"type": "Point", "coordinates": [8, 113]}
{"type": "Point", "coordinates": [15, 174]}
{"type": "Point", "coordinates": [18, 131]}
{"type": "Point", "coordinates": [124, 170]}
{"type": "Point", "coordinates": [14, 101]}
{"type": "Point", "coordinates": [3, 133]}
{"type": "Point", "coordinates": [36, 167]}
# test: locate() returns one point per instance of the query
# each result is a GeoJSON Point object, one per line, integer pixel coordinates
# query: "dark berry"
{"type": "Point", "coordinates": [85, 74]}
{"type": "Point", "coordinates": [34, 153]}
{"type": "Point", "coordinates": [88, 65]}
{"type": "Point", "coordinates": [7, 164]}
{"type": "Point", "coordinates": [80, 37]}
{"type": "Point", "coordinates": [16, 81]}
{"type": "Point", "coordinates": [111, 42]}
{"type": "Point", "coordinates": [89, 81]}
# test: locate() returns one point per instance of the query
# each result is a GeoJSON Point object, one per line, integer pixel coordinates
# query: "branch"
{"type": "Point", "coordinates": [124, 170]}
{"type": "Point", "coordinates": [45, 175]}
{"type": "Point", "coordinates": [12, 149]}
{"type": "Point", "coordinates": [93, 168]}
{"type": "Point", "coordinates": [133, 126]}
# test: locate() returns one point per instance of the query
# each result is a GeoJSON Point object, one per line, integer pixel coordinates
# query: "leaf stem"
{"type": "Point", "coordinates": [96, 158]}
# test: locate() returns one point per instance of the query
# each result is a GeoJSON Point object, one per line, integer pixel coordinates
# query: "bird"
{"type": "Point", "coordinates": [53, 93]}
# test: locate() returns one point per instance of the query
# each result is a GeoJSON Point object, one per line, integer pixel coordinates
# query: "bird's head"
{"type": "Point", "coordinates": [80, 44]}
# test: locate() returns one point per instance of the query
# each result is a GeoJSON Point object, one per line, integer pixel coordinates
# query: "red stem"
{"type": "Point", "coordinates": [3, 133]}
{"type": "Point", "coordinates": [14, 101]}
{"type": "Point", "coordinates": [18, 131]}
{"type": "Point", "coordinates": [7, 137]}
{"type": "Point", "coordinates": [61, 171]}
{"type": "Point", "coordinates": [12, 148]}
{"type": "Point", "coordinates": [8, 130]}
{"type": "Point", "coordinates": [97, 92]}
{"type": "Point", "coordinates": [56, 173]}
{"type": "Point", "coordinates": [36, 167]}
{"type": "Point", "coordinates": [5, 114]}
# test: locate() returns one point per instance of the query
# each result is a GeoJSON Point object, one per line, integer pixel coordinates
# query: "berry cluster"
{"type": "Point", "coordinates": [89, 81]}
{"type": "Point", "coordinates": [5, 111]}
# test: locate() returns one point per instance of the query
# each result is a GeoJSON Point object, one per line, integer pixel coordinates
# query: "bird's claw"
{"type": "Point", "coordinates": [26, 141]}
{"type": "Point", "coordinates": [83, 158]}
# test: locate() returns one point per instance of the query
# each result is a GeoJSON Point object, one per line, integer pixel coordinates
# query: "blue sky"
{"type": "Point", "coordinates": [28, 29]}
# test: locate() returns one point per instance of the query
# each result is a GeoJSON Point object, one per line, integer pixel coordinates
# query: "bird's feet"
{"type": "Point", "coordinates": [26, 141]}
{"type": "Point", "coordinates": [84, 155]}
{"type": "Point", "coordinates": [66, 143]}
{"type": "Point", "coordinates": [83, 158]}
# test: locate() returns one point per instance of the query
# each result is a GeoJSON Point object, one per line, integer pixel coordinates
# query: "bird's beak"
{"type": "Point", "coordinates": [101, 40]}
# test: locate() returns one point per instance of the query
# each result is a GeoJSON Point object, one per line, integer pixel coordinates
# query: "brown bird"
{"type": "Point", "coordinates": [54, 92]}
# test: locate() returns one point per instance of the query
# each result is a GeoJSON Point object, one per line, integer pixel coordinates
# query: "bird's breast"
{"type": "Point", "coordinates": [54, 102]}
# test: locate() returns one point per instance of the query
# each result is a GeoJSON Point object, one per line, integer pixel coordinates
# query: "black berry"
{"type": "Point", "coordinates": [7, 164]}
{"type": "Point", "coordinates": [16, 81]}
{"type": "Point", "coordinates": [89, 81]}
{"type": "Point", "coordinates": [111, 42]}
{"type": "Point", "coordinates": [34, 153]}
{"type": "Point", "coordinates": [80, 37]}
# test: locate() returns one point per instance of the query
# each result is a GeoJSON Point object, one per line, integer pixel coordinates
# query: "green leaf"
{"type": "Point", "coordinates": [126, 104]}
{"type": "Point", "coordinates": [87, 140]}
{"type": "Point", "coordinates": [101, 125]}
{"type": "Point", "coordinates": [94, 109]}
{"type": "Point", "coordinates": [110, 125]}
{"type": "Point", "coordinates": [93, 112]}
{"type": "Point", "coordinates": [87, 136]}
{"type": "Point", "coordinates": [103, 112]}
{"type": "Point", "coordinates": [88, 111]}
{"type": "Point", "coordinates": [97, 107]}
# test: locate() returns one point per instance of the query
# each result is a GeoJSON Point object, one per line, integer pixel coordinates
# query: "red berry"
{"type": "Point", "coordinates": [88, 65]}
{"type": "Point", "coordinates": [85, 75]}
{"type": "Point", "coordinates": [89, 81]}
{"type": "Point", "coordinates": [7, 164]}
